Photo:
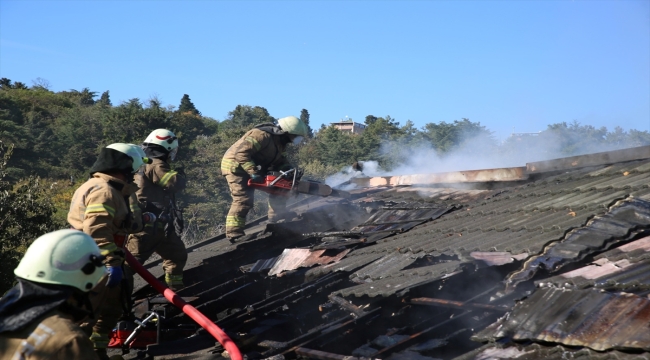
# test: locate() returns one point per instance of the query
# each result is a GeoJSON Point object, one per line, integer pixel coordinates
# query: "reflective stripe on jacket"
{"type": "Point", "coordinates": [256, 147]}
{"type": "Point", "coordinates": [100, 210]}
{"type": "Point", "coordinates": [157, 182]}
{"type": "Point", "coordinates": [52, 337]}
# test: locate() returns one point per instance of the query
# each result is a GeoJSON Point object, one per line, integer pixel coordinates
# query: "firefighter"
{"type": "Point", "coordinates": [100, 208]}
{"type": "Point", "coordinates": [39, 316]}
{"type": "Point", "coordinates": [260, 150]}
{"type": "Point", "coordinates": [158, 184]}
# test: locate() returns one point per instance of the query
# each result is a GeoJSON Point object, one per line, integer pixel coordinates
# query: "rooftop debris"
{"type": "Point", "coordinates": [296, 258]}
{"type": "Point", "coordinates": [623, 221]}
{"type": "Point", "coordinates": [354, 286]}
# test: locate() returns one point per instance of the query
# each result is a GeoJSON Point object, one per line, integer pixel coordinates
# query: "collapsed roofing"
{"type": "Point", "coordinates": [545, 261]}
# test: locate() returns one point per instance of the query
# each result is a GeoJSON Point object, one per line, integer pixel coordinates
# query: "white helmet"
{"type": "Point", "coordinates": [63, 257]}
{"type": "Point", "coordinates": [164, 138]}
{"type": "Point", "coordinates": [134, 152]}
{"type": "Point", "coordinates": [293, 126]}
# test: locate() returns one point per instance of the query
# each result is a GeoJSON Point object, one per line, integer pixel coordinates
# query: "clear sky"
{"type": "Point", "coordinates": [505, 64]}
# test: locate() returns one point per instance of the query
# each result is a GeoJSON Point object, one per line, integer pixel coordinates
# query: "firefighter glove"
{"type": "Point", "coordinates": [257, 178]}
{"type": "Point", "coordinates": [114, 276]}
{"type": "Point", "coordinates": [148, 218]}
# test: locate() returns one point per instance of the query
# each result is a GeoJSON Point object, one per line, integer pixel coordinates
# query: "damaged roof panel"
{"type": "Point", "coordinates": [403, 280]}
{"type": "Point", "coordinates": [591, 318]}
{"type": "Point", "coordinates": [496, 227]}
{"type": "Point", "coordinates": [296, 258]}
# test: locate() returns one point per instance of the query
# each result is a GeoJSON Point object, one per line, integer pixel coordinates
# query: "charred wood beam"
{"type": "Point", "coordinates": [349, 233]}
{"type": "Point", "coordinates": [216, 289]}
{"type": "Point", "coordinates": [347, 305]}
{"type": "Point", "coordinates": [305, 338]}
{"type": "Point", "coordinates": [339, 244]}
{"type": "Point", "coordinates": [410, 208]}
{"type": "Point", "coordinates": [326, 331]}
{"type": "Point", "coordinates": [210, 302]}
{"type": "Point", "coordinates": [317, 354]}
{"type": "Point", "coordinates": [394, 222]}
{"type": "Point", "coordinates": [400, 344]}
{"type": "Point", "coordinates": [457, 304]}
{"type": "Point", "coordinates": [280, 298]}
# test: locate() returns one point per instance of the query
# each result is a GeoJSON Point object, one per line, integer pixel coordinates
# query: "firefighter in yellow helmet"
{"type": "Point", "coordinates": [158, 185]}
{"type": "Point", "coordinates": [260, 150]}
{"type": "Point", "coordinates": [39, 316]}
{"type": "Point", "coordinates": [100, 209]}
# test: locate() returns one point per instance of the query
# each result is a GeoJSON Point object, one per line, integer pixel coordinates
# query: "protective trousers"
{"type": "Point", "coordinates": [170, 247]}
{"type": "Point", "coordinates": [242, 201]}
{"type": "Point", "coordinates": [108, 304]}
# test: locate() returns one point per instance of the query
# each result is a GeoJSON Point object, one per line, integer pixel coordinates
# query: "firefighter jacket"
{"type": "Point", "coordinates": [262, 146]}
{"type": "Point", "coordinates": [52, 336]}
{"type": "Point", "coordinates": [100, 208]}
{"type": "Point", "coordinates": [157, 185]}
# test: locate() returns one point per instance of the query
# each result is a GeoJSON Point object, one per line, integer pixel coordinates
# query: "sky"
{"type": "Point", "coordinates": [510, 65]}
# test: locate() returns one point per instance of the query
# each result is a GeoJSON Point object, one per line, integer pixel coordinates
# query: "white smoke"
{"type": "Point", "coordinates": [475, 153]}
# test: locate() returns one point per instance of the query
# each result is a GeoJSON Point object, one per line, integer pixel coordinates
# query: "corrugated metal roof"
{"type": "Point", "coordinates": [493, 225]}
{"type": "Point", "coordinates": [296, 258]}
{"type": "Point", "coordinates": [591, 318]}
{"type": "Point", "coordinates": [541, 352]}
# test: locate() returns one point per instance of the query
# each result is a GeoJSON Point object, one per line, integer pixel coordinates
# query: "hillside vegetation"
{"type": "Point", "coordinates": [49, 140]}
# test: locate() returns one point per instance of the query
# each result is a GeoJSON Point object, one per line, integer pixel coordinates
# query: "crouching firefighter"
{"type": "Point", "coordinates": [158, 185]}
{"type": "Point", "coordinates": [260, 150]}
{"type": "Point", "coordinates": [39, 316]}
{"type": "Point", "coordinates": [100, 208]}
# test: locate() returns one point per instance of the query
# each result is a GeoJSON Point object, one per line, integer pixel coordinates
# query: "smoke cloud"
{"type": "Point", "coordinates": [481, 152]}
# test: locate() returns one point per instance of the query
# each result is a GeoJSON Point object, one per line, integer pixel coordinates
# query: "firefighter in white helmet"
{"type": "Point", "coordinates": [39, 316]}
{"type": "Point", "coordinates": [158, 185]}
{"type": "Point", "coordinates": [100, 209]}
{"type": "Point", "coordinates": [260, 150]}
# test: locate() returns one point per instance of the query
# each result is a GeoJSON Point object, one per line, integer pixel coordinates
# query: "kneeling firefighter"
{"type": "Point", "coordinates": [260, 150]}
{"type": "Point", "coordinates": [100, 208]}
{"type": "Point", "coordinates": [158, 185]}
{"type": "Point", "coordinates": [39, 316]}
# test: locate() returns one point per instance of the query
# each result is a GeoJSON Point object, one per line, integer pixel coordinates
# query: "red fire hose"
{"type": "Point", "coordinates": [188, 309]}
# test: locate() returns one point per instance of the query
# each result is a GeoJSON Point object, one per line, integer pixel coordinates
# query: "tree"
{"type": "Point", "coordinates": [5, 84]}
{"type": "Point", "coordinates": [304, 116]}
{"type": "Point", "coordinates": [370, 119]}
{"type": "Point", "coordinates": [41, 83]}
{"type": "Point", "coordinates": [105, 99]}
{"type": "Point", "coordinates": [246, 116]}
{"type": "Point", "coordinates": [187, 106]}
{"type": "Point", "coordinates": [25, 214]}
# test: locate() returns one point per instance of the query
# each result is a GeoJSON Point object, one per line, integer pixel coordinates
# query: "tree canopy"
{"type": "Point", "coordinates": [56, 136]}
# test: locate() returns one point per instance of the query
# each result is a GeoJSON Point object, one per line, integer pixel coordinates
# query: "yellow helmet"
{"type": "Point", "coordinates": [63, 257]}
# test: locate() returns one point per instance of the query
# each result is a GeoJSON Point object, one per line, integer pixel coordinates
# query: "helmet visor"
{"type": "Point", "coordinates": [172, 154]}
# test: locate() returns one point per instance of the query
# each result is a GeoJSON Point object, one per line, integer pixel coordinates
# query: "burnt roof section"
{"type": "Point", "coordinates": [591, 318]}
{"type": "Point", "coordinates": [625, 268]}
{"type": "Point", "coordinates": [452, 250]}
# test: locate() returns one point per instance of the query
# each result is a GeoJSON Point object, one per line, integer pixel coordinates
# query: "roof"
{"type": "Point", "coordinates": [435, 271]}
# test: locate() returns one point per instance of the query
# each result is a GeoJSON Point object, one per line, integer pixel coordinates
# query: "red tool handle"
{"type": "Point", "coordinates": [188, 309]}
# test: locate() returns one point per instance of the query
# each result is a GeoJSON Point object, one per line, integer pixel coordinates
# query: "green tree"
{"type": "Point", "coordinates": [25, 214]}
{"type": "Point", "coordinates": [304, 116]}
{"type": "Point", "coordinates": [105, 99]}
{"type": "Point", "coordinates": [246, 116]}
{"type": "Point", "coordinates": [187, 106]}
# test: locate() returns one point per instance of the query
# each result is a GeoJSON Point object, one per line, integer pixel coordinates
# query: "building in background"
{"type": "Point", "coordinates": [349, 126]}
